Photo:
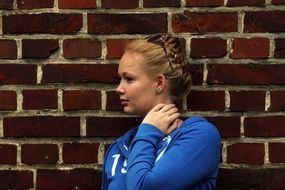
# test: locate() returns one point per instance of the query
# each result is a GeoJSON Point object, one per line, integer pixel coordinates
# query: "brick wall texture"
{"type": "Point", "coordinates": [58, 71]}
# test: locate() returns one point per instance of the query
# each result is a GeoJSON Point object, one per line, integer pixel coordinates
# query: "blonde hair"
{"type": "Point", "coordinates": [165, 55]}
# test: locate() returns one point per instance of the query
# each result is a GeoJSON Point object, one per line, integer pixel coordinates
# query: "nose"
{"type": "Point", "coordinates": [120, 90]}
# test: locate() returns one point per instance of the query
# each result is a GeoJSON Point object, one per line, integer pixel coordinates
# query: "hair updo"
{"type": "Point", "coordinates": [165, 55]}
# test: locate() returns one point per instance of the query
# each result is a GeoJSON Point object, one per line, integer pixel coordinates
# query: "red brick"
{"type": "Point", "coordinates": [126, 4]}
{"type": "Point", "coordinates": [247, 100]}
{"type": "Point", "coordinates": [235, 3]}
{"type": "Point", "coordinates": [16, 179]}
{"type": "Point", "coordinates": [200, 22]}
{"type": "Point", "coordinates": [39, 153]}
{"type": "Point", "coordinates": [80, 73]}
{"type": "Point", "coordinates": [277, 101]}
{"type": "Point", "coordinates": [115, 48]}
{"type": "Point", "coordinates": [262, 178]}
{"type": "Point", "coordinates": [52, 23]}
{"type": "Point", "coordinates": [196, 73]}
{"type": "Point", "coordinates": [72, 48]}
{"type": "Point", "coordinates": [81, 99]}
{"type": "Point", "coordinates": [277, 152]}
{"type": "Point", "coordinates": [246, 153]}
{"type": "Point", "coordinates": [127, 23]}
{"type": "Point", "coordinates": [18, 74]}
{"type": "Point", "coordinates": [161, 3]}
{"type": "Point", "coordinates": [8, 154]}
{"type": "Point", "coordinates": [227, 126]}
{"type": "Point", "coordinates": [264, 21]}
{"type": "Point", "coordinates": [113, 126]}
{"type": "Point", "coordinates": [208, 47]}
{"type": "Point", "coordinates": [270, 126]}
{"type": "Point", "coordinates": [279, 51]}
{"type": "Point", "coordinates": [113, 101]}
{"type": "Point", "coordinates": [250, 48]}
{"type": "Point", "coordinates": [6, 4]}
{"type": "Point", "coordinates": [8, 100]}
{"type": "Point", "coordinates": [79, 153]}
{"type": "Point", "coordinates": [251, 74]}
{"type": "Point", "coordinates": [68, 179]}
{"type": "Point", "coordinates": [203, 100]}
{"type": "Point", "coordinates": [76, 4]}
{"type": "Point", "coordinates": [8, 49]}
{"type": "Point", "coordinates": [39, 48]}
{"type": "Point", "coordinates": [40, 99]}
{"type": "Point", "coordinates": [278, 2]}
{"type": "Point", "coordinates": [204, 3]}
{"type": "Point", "coordinates": [34, 4]}
{"type": "Point", "coordinates": [41, 126]}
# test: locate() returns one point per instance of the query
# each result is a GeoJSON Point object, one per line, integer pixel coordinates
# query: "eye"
{"type": "Point", "coordinates": [129, 79]}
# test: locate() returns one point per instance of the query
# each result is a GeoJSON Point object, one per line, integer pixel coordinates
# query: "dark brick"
{"type": "Point", "coordinates": [81, 99]}
{"type": "Point", "coordinates": [8, 154]}
{"type": "Point", "coordinates": [8, 49]}
{"type": "Point", "coordinates": [277, 152]}
{"type": "Point", "coordinates": [41, 126]}
{"type": "Point", "coordinates": [81, 48]}
{"type": "Point", "coordinates": [68, 179]}
{"type": "Point", "coordinates": [80, 73]}
{"type": "Point", "coordinates": [39, 153]}
{"type": "Point", "coordinates": [208, 47]}
{"type": "Point", "coordinates": [270, 126]}
{"type": "Point", "coordinates": [6, 4]}
{"type": "Point", "coordinates": [39, 48]}
{"type": "Point", "coordinates": [76, 4]}
{"type": "Point", "coordinates": [39, 99]}
{"type": "Point", "coordinates": [79, 153]}
{"type": "Point", "coordinates": [204, 3]}
{"type": "Point", "coordinates": [264, 21]}
{"type": "Point", "coordinates": [277, 101]}
{"type": "Point", "coordinates": [34, 4]}
{"type": "Point", "coordinates": [200, 22]}
{"type": "Point", "coordinates": [196, 73]}
{"type": "Point", "coordinates": [52, 23]}
{"type": "Point", "coordinates": [278, 2]}
{"type": "Point", "coordinates": [127, 23]}
{"type": "Point", "coordinates": [126, 4]}
{"type": "Point", "coordinates": [8, 100]}
{"type": "Point", "coordinates": [18, 74]}
{"type": "Point", "coordinates": [236, 3]}
{"type": "Point", "coordinates": [247, 100]}
{"type": "Point", "coordinates": [115, 48]}
{"type": "Point", "coordinates": [279, 51]}
{"type": "Point", "coordinates": [113, 101]}
{"type": "Point", "coordinates": [161, 3]}
{"type": "Point", "coordinates": [251, 74]}
{"type": "Point", "coordinates": [227, 126]}
{"type": "Point", "coordinates": [16, 179]}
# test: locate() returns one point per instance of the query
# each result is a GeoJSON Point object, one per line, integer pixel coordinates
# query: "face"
{"type": "Point", "coordinates": [136, 89]}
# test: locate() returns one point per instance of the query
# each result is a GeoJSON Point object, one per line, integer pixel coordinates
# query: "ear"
{"type": "Point", "coordinates": [160, 83]}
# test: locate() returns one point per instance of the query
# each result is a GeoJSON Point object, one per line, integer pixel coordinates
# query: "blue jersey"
{"type": "Point", "coordinates": [145, 159]}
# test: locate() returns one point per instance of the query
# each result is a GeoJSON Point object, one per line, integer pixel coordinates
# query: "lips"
{"type": "Point", "coordinates": [124, 101]}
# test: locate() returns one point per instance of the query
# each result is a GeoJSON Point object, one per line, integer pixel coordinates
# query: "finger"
{"type": "Point", "coordinates": [172, 127]}
{"type": "Point", "coordinates": [173, 117]}
{"type": "Point", "coordinates": [172, 111]}
{"type": "Point", "coordinates": [158, 107]}
{"type": "Point", "coordinates": [167, 107]}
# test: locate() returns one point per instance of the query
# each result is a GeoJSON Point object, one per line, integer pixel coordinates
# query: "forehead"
{"type": "Point", "coordinates": [131, 61]}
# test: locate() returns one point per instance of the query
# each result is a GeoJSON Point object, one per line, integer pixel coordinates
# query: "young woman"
{"type": "Point", "coordinates": [163, 152]}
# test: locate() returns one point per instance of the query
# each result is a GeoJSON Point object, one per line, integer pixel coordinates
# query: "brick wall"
{"type": "Point", "coordinates": [58, 65]}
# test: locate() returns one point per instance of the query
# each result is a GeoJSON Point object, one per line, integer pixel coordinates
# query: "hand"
{"type": "Point", "coordinates": [164, 116]}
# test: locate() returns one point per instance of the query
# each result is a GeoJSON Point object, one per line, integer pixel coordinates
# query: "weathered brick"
{"type": "Point", "coordinates": [227, 126]}
{"type": "Point", "coordinates": [251, 178]}
{"type": "Point", "coordinates": [247, 100]}
{"type": "Point", "coordinates": [251, 74]}
{"type": "Point", "coordinates": [16, 179]}
{"type": "Point", "coordinates": [18, 74]}
{"type": "Point", "coordinates": [277, 152]}
{"type": "Point", "coordinates": [204, 3]}
{"type": "Point", "coordinates": [246, 153]}
{"type": "Point", "coordinates": [79, 153]}
{"type": "Point", "coordinates": [77, 4]}
{"type": "Point", "coordinates": [115, 48]}
{"type": "Point", "coordinates": [203, 100]}
{"type": "Point", "coordinates": [39, 48]}
{"type": "Point", "coordinates": [270, 126]}
{"type": "Point", "coordinates": [161, 3]}
{"type": "Point", "coordinates": [113, 101]}
{"type": "Point", "coordinates": [82, 178]}
{"type": "Point", "coordinates": [200, 22]}
{"type": "Point", "coordinates": [6, 4]}
{"type": "Point", "coordinates": [80, 73]}
{"type": "Point", "coordinates": [8, 154]}
{"type": "Point", "coordinates": [39, 99]}
{"type": "Point", "coordinates": [8, 49]}
{"type": "Point", "coordinates": [208, 47]}
{"type": "Point", "coordinates": [8, 100]}
{"type": "Point", "coordinates": [279, 51]}
{"type": "Point", "coordinates": [34, 4]}
{"type": "Point", "coordinates": [126, 4]}
{"type": "Point", "coordinates": [110, 126]}
{"type": "Point", "coordinates": [264, 21]}
{"type": "Point", "coordinates": [39, 153]}
{"type": "Point", "coordinates": [235, 3]}
{"type": "Point", "coordinates": [72, 48]}
{"type": "Point", "coordinates": [250, 48]}
{"type": "Point", "coordinates": [52, 23]}
{"type": "Point", "coordinates": [41, 126]}
{"type": "Point", "coordinates": [277, 101]}
{"type": "Point", "coordinates": [127, 23]}
{"type": "Point", "coordinates": [278, 2]}
{"type": "Point", "coordinates": [81, 99]}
